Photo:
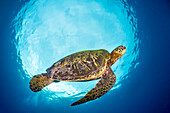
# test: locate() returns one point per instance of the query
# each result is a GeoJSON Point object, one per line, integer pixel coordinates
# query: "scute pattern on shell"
{"type": "Point", "coordinates": [81, 66]}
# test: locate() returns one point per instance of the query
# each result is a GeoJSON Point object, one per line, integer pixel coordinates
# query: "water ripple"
{"type": "Point", "coordinates": [49, 30]}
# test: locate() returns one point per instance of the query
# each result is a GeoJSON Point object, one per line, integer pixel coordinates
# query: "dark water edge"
{"type": "Point", "coordinates": [146, 90]}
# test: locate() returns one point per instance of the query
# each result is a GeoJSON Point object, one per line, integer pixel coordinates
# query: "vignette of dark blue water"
{"type": "Point", "coordinates": [142, 88]}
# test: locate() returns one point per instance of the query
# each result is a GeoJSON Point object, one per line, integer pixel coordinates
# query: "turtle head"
{"type": "Point", "coordinates": [117, 53]}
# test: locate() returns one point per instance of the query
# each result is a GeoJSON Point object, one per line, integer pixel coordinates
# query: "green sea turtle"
{"type": "Point", "coordinates": [82, 66]}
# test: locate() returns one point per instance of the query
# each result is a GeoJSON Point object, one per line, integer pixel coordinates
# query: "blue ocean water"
{"type": "Point", "coordinates": [71, 27]}
{"type": "Point", "coordinates": [37, 33]}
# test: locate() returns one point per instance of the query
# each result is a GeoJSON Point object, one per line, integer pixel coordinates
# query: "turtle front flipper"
{"type": "Point", "coordinates": [38, 82]}
{"type": "Point", "coordinates": [106, 82]}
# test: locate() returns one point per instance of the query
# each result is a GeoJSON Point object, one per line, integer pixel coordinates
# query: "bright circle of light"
{"type": "Point", "coordinates": [47, 31]}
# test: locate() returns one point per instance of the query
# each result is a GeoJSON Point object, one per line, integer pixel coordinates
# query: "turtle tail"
{"type": "Point", "coordinates": [38, 82]}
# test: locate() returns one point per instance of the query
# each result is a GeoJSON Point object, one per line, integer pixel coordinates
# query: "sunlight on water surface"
{"type": "Point", "coordinates": [48, 30]}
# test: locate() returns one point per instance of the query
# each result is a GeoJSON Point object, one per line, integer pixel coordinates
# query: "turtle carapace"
{"type": "Point", "coordinates": [82, 66]}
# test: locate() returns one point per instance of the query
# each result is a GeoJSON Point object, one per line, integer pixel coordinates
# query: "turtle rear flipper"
{"type": "Point", "coordinates": [107, 81]}
{"type": "Point", "coordinates": [38, 82]}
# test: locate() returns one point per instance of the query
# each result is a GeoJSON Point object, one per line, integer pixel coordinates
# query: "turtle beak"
{"type": "Point", "coordinates": [123, 48]}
